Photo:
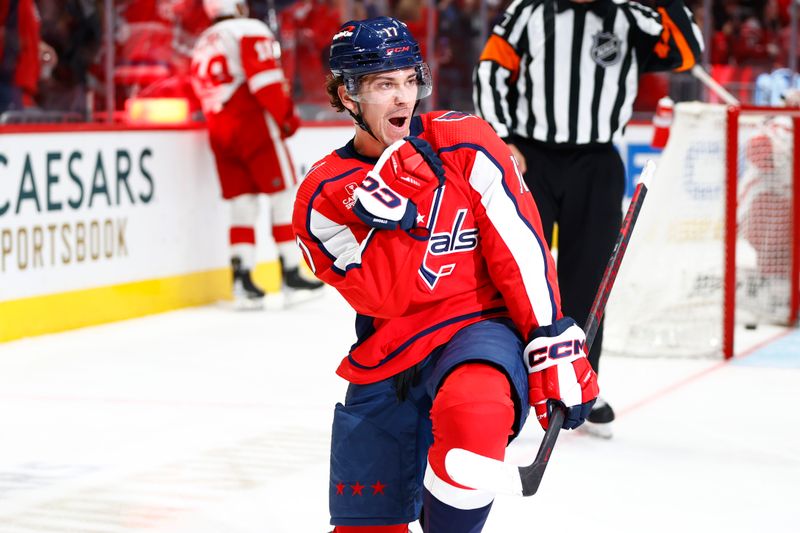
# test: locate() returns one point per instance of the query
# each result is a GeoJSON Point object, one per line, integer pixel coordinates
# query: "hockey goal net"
{"type": "Point", "coordinates": [716, 244]}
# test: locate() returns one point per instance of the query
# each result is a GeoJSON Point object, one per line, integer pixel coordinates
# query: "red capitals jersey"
{"type": "Point", "coordinates": [485, 257]}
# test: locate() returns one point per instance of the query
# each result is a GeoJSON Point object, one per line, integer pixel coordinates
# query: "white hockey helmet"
{"type": "Point", "coordinates": [225, 8]}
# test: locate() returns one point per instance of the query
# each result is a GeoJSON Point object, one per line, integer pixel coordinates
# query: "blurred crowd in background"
{"type": "Point", "coordinates": [70, 60]}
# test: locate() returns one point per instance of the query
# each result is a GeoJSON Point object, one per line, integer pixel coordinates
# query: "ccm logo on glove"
{"type": "Point", "coordinates": [559, 372]}
{"type": "Point", "coordinates": [558, 350]}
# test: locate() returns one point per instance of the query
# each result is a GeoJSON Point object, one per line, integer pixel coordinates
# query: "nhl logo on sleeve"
{"type": "Point", "coordinates": [606, 49]}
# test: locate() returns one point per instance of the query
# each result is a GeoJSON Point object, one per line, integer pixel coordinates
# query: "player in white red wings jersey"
{"type": "Point", "coordinates": [425, 226]}
{"type": "Point", "coordinates": [236, 74]}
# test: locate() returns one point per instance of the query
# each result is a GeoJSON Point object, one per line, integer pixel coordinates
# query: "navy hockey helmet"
{"type": "Point", "coordinates": [374, 45]}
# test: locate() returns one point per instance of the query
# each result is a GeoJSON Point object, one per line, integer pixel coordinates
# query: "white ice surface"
{"type": "Point", "coordinates": [211, 421]}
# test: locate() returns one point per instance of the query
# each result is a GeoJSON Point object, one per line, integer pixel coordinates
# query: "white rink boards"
{"type": "Point", "coordinates": [208, 421]}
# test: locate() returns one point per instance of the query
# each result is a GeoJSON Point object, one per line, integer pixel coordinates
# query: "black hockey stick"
{"type": "Point", "coordinates": [481, 472]}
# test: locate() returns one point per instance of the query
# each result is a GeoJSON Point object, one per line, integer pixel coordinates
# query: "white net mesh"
{"type": "Point", "coordinates": [764, 218]}
{"type": "Point", "coordinates": [668, 297]}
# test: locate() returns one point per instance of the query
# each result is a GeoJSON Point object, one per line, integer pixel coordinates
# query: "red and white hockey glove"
{"type": "Point", "coordinates": [558, 371]}
{"type": "Point", "coordinates": [405, 171]}
{"type": "Point", "coordinates": [411, 167]}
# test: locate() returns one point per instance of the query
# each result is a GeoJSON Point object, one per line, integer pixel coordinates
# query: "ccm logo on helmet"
{"type": "Point", "coordinates": [390, 51]}
{"type": "Point", "coordinates": [555, 351]}
{"type": "Point", "coordinates": [346, 32]}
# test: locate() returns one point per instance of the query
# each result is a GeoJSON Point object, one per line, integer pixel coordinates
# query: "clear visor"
{"type": "Point", "coordinates": [392, 85]}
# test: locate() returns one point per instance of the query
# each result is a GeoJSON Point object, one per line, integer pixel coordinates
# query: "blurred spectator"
{"type": "Point", "coordinates": [415, 14]}
{"type": "Point", "coordinates": [458, 47]}
{"type": "Point", "coordinates": [721, 44]}
{"type": "Point", "coordinates": [652, 87]}
{"type": "Point", "coordinates": [154, 37]}
{"type": "Point", "coordinates": [154, 41]}
{"type": "Point", "coordinates": [753, 45]}
{"type": "Point", "coordinates": [749, 38]}
{"type": "Point", "coordinates": [9, 50]}
{"type": "Point", "coordinates": [772, 87]}
{"type": "Point", "coordinates": [306, 27]}
{"type": "Point", "coordinates": [74, 29]}
{"type": "Point", "coordinates": [19, 54]}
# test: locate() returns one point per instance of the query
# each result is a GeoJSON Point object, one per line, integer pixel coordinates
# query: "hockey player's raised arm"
{"type": "Point", "coordinates": [371, 268]}
{"type": "Point", "coordinates": [265, 79]}
{"type": "Point", "coordinates": [512, 242]}
{"type": "Point", "coordinates": [358, 232]}
{"type": "Point", "coordinates": [667, 38]}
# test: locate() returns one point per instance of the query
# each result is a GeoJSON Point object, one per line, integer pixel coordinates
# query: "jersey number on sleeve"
{"type": "Point", "coordinates": [263, 50]}
{"type": "Point", "coordinates": [216, 71]}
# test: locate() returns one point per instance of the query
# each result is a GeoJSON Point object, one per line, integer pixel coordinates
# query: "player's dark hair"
{"type": "Point", "coordinates": [332, 84]}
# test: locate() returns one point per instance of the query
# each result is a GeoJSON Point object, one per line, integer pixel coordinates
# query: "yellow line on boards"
{"type": "Point", "coordinates": [52, 313]}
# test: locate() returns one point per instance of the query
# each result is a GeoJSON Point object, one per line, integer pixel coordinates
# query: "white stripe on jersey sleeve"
{"type": "Point", "coordinates": [564, 26]}
{"type": "Point", "coordinates": [262, 79]}
{"type": "Point", "coordinates": [645, 19]}
{"type": "Point", "coordinates": [306, 255]}
{"type": "Point", "coordinates": [501, 84]}
{"type": "Point", "coordinates": [536, 44]}
{"type": "Point", "coordinates": [519, 27]}
{"type": "Point", "coordinates": [523, 107]}
{"type": "Point", "coordinates": [499, 29]}
{"type": "Point", "coordinates": [698, 35]}
{"type": "Point", "coordinates": [647, 11]}
{"type": "Point", "coordinates": [337, 240]}
{"type": "Point", "coordinates": [631, 90]}
{"type": "Point", "coordinates": [487, 180]}
{"type": "Point", "coordinates": [490, 90]}
{"type": "Point", "coordinates": [593, 26]}
{"type": "Point", "coordinates": [612, 84]}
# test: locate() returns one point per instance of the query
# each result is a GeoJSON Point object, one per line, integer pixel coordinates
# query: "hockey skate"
{"type": "Point", "coordinates": [598, 423]}
{"type": "Point", "coordinates": [297, 288]}
{"type": "Point", "coordinates": [247, 296]}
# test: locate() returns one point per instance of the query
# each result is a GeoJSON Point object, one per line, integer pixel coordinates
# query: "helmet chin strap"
{"type": "Point", "coordinates": [359, 118]}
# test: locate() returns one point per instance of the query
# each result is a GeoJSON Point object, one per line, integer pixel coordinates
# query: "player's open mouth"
{"type": "Point", "coordinates": [398, 122]}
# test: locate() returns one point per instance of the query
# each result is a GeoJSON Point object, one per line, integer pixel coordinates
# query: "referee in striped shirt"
{"type": "Point", "coordinates": [557, 80]}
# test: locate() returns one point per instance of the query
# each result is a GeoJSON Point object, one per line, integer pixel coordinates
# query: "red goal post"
{"type": "Point", "coordinates": [717, 244]}
{"type": "Point", "coordinates": [733, 148]}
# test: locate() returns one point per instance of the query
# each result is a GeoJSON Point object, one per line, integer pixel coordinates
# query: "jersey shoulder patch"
{"type": "Point", "coordinates": [332, 181]}
{"type": "Point", "coordinates": [447, 128]}
{"type": "Point", "coordinates": [334, 165]}
{"type": "Point", "coordinates": [453, 116]}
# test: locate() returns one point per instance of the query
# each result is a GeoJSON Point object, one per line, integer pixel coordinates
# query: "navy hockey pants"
{"type": "Point", "coordinates": [379, 447]}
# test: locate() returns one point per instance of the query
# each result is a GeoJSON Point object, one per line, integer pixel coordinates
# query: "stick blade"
{"type": "Point", "coordinates": [484, 473]}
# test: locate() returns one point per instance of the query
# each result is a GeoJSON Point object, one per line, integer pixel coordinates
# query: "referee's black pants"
{"type": "Point", "coordinates": [580, 187]}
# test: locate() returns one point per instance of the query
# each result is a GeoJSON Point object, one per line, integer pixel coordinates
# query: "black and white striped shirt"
{"type": "Point", "coordinates": [563, 72]}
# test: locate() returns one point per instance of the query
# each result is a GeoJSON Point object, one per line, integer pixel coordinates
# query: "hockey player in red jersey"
{"type": "Point", "coordinates": [236, 74]}
{"type": "Point", "coordinates": [426, 228]}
